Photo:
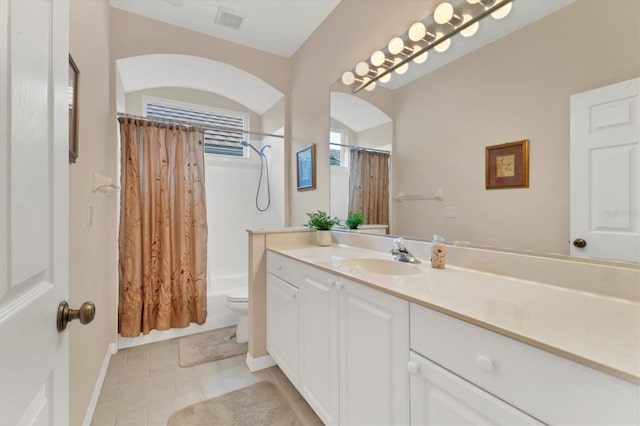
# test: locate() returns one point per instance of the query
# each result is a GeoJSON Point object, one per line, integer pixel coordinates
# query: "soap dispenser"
{"type": "Point", "coordinates": [438, 252]}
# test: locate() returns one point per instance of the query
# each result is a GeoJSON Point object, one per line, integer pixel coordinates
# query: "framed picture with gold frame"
{"type": "Point", "coordinates": [74, 77]}
{"type": "Point", "coordinates": [306, 167]}
{"type": "Point", "coordinates": [507, 165]}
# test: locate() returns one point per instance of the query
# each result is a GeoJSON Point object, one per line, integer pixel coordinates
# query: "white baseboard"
{"type": "Point", "coordinates": [112, 349]}
{"type": "Point", "coordinates": [261, 363]}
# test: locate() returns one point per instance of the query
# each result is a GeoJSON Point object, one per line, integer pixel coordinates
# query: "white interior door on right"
{"type": "Point", "coordinates": [605, 173]}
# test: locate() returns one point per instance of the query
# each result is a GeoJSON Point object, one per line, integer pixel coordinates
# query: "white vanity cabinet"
{"type": "Point", "coordinates": [283, 341]}
{"type": "Point", "coordinates": [439, 397]}
{"type": "Point", "coordinates": [374, 335]}
{"type": "Point", "coordinates": [463, 369]}
{"type": "Point", "coordinates": [319, 340]}
{"type": "Point", "coordinates": [353, 344]}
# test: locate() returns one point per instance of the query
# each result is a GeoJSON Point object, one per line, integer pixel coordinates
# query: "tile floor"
{"type": "Point", "coordinates": [144, 385]}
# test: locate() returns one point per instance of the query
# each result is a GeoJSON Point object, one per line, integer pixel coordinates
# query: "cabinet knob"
{"type": "Point", "coordinates": [338, 285]}
{"type": "Point", "coordinates": [412, 367]}
{"type": "Point", "coordinates": [485, 363]}
{"type": "Point", "coordinates": [279, 267]}
{"type": "Point", "coordinates": [292, 294]}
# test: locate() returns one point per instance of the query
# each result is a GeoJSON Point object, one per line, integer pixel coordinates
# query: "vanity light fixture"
{"type": "Point", "coordinates": [444, 14]}
{"type": "Point", "coordinates": [433, 32]}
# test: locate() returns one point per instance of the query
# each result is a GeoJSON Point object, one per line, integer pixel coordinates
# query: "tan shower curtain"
{"type": "Point", "coordinates": [163, 228]}
{"type": "Point", "coordinates": [369, 185]}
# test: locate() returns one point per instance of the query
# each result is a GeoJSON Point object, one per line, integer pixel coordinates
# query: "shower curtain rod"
{"type": "Point", "coordinates": [361, 148]}
{"type": "Point", "coordinates": [192, 124]}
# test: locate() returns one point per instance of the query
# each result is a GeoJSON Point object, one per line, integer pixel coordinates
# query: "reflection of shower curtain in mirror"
{"type": "Point", "coordinates": [369, 185]}
{"type": "Point", "coordinates": [163, 228]}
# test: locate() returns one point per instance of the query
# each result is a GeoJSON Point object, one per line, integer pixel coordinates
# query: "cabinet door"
{"type": "Point", "coordinates": [374, 342]}
{"type": "Point", "coordinates": [283, 326]}
{"type": "Point", "coordinates": [439, 397]}
{"type": "Point", "coordinates": [319, 373]}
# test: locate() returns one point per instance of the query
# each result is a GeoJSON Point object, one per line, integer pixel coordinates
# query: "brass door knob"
{"type": "Point", "coordinates": [580, 243]}
{"type": "Point", "coordinates": [85, 314]}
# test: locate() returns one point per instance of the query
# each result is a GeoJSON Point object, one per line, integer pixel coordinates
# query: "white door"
{"type": "Point", "coordinates": [605, 173]}
{"type": "Point", "coordinates": [374, 338]}
{"type": "Point", "coordinates": [283, 341]}
{"type": "Point", "coordinates": [319, 362]}
{"type": "Point", "coordinates": [34, 152]}
{"type": "Point", "coordinates": [439, 397]}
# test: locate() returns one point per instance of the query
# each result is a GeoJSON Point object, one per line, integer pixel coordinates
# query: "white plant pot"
{"type": "Point", "coordinates": [324, 238]}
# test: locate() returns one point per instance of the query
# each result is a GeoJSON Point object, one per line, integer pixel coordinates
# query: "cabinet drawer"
{"type": "Point", "coordinates": [284, 268]}
{"type": "Point", "coordinates": [553, 389]}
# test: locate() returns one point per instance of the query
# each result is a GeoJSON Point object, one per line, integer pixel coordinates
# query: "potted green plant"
{"type": "Point", "coordinates": [323, 223]}
{"type": "Point", "coordinates": [354, 220]}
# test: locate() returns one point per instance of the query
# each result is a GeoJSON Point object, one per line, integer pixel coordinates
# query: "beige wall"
{"type": "Point", "coordinates": [273, 118]}
{"type": "Point", "coordinates": [348, 35]}
{"type": "Point", "coordinates": [375, 137]}
{"type": "Point", "coordinates": [89, 245]}
{"type": "Point", "coordinates": [516, 88]}
{"type": "Point", "coordinates": [133, 35]}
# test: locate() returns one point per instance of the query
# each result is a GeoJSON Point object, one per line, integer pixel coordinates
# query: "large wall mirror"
{"type": "Point", "coordinates": [515, 88]}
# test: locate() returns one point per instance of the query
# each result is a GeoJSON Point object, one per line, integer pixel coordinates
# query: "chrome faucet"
{"type": "Point", "coordinates": [400, 252]}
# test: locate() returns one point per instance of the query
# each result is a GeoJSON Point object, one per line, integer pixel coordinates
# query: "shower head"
{"type": "Point", "coordinates": [245, 143]}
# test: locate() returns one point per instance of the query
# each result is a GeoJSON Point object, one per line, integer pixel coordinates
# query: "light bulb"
{"type": "Point", "coordinates": [417, 31]}
{"type": "Point", "coordinates": [420, 59]}
{"type": "Point", "coordinates": [473, 1]}
{"type": "Point", "coordinates": [348, 78]}
{"type": "Point", "coordinates": [502, 12]}
{"type": "Point", "coordinates": [471, 29]}
{"type": "Point", "coordinates": [385, 78]}
{"type": "Point", "coordinates": [396, 45]}
{"type": "Point", "coordinates": [402, 68]}
{"type": "Point", "coordinates": [362, 68]}
{"type": "Point", "coordinates": [443, 13]}
{"type": "Point", "coordinates": [370, 87]}
{"type": "Point", "coordinates": [377, 58]}
{"type": "Point", "coordinates": [442, 47]}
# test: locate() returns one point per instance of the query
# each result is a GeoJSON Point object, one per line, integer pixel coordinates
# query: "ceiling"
{"type": "Point", "coordinates": [275, 26]}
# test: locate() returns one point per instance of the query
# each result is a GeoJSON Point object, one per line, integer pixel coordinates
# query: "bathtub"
{"type": "Point", "coordinates": [218, 315]}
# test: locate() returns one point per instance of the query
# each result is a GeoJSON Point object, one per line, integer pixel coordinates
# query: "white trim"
{"type": "Point", "coordinates": [112, 349]}
{"type": "Point", "coordinates": [261, 363]}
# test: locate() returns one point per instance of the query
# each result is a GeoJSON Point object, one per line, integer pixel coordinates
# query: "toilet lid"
{"type": "Point", "coordinates": [239, 295]}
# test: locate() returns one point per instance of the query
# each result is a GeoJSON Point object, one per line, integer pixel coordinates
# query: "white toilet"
{"type": "Point", "coordinates": [238, 302]}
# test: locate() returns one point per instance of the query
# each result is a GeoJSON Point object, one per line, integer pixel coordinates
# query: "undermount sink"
{"type": "Point", "coordinates": [380, 266]}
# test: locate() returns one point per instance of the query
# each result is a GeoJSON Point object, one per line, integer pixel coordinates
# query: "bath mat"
{"type": "Point", "coordinates": [259, 404]}
{"type": "Point", "coordinates": [209, 346]}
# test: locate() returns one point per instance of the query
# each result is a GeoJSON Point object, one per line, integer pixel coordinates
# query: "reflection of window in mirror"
{"type": "Point", "coordinates": [338, 154]}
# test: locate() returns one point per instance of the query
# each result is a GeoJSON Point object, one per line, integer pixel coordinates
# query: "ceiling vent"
{"type": "Point", "coordinates": [228, 18]}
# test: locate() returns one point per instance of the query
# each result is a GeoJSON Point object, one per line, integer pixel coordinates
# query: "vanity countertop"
{"type": "Point", "coordinates": [598, 331]}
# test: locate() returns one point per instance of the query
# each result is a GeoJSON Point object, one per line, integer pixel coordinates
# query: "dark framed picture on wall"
{"type": "Point", "coordinates": [74, 77]}
{"type": "Point", "coordinates": [507, 165]}
{"type": "Point", "coordinates": [306, 166]}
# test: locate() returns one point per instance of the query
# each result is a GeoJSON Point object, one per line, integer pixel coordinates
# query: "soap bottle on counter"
{"type": "Point", "coordinates": [438, 252]}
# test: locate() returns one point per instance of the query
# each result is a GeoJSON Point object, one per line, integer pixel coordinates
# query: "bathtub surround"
{"type": "Point", "coordinates": [163, 228]}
